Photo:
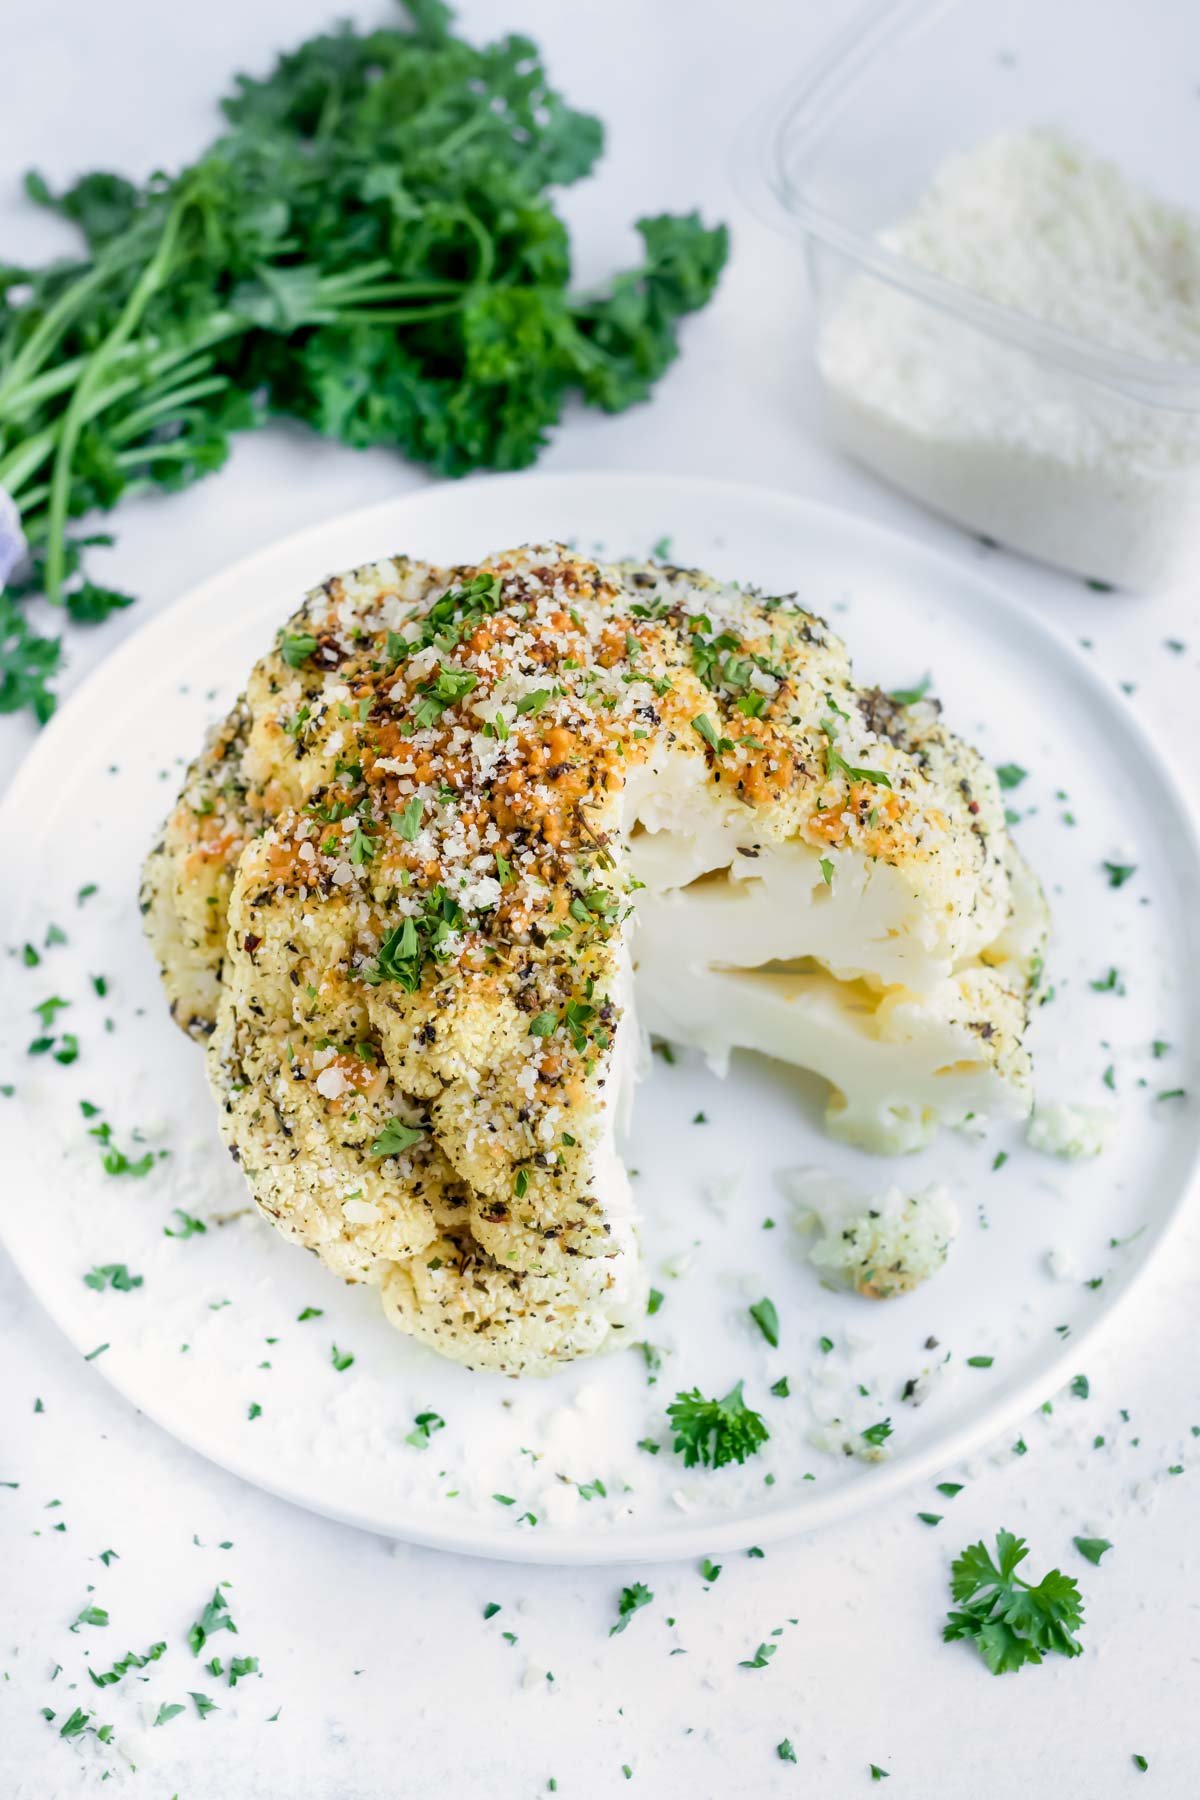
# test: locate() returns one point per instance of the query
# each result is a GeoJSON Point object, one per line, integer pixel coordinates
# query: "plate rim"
{"type": "Point", "coordinates": [793, 1517]}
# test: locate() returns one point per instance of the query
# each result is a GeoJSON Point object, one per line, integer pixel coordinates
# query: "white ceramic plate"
{"type": "Point", "coordinates": [213, 1331]}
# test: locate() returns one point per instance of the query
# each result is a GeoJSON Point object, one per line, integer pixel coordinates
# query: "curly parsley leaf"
{"type": "Point", "coordinates": [715, 1432]}
{"type": "Point", "coordinates": [1011, 1621]}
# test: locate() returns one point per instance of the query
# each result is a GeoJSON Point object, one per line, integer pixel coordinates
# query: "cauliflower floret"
{"type": "Point", "coordinates": [878, 1244]}
{"type": "Point", "coordinates": [1070, 1130]}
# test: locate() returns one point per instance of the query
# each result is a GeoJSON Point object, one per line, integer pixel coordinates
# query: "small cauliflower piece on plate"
{"type": "Point", "coordinates": [467, 827]}
{"type": "Point", "coordinates": [879, 1244]}
{"type": "Point", "coordinates": [1070, 1129]}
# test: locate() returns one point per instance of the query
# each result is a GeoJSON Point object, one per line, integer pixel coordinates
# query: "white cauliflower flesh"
{"type": "Point", "coordinates": [462, 818]}
{"type": "Point", "coordinates": [879, 1244]}
{"type": "Point", "coordinates": [1072, 1131]}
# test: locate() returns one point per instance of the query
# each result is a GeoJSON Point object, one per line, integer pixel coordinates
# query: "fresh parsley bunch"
{"type": "Point", "coordinates": [1011, 1621]}
{"type": "Point", "coordinates": [369, 247]}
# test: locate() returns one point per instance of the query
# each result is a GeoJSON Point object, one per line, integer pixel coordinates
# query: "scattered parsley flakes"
{"type": "Point", "coordinates": [780, 1388]}
{"type": "Point", "coordinates": [491, 1609]}
{"type": "Point", "coordinates": [877, 1434]}
{"type": "Point", "coordinates": [709, 1569]}
{"type": "Point", "coordinates": [826, 868]}
{"type": "Point", "coordinates": [202, 1703]}
{"type": "Point", "coordinates": [1108, 984]}
{"type": "Point", "coordinates": [254, 1410]}
{"type": "Point", "coordinates": [1011, 1621]}
{"type": "Point", "coordinates": [1140, 1762]}
{"type": "Point", "coordinates": [1081, 1387]}
{"type": "Point", "coordinates": [785, 1751]}
{"type": "Point", "coordinates": [632, 1599]}
{"type": "Point", "coordinates": [1010, 775]}
{"type": "Point", "coordinates": [424, 1426]}
{"type": "Point", "coordinates": [310, 1312]}
{"type": "Point", "coordinates": [930, 1518]}
{"type": "Point", "coordinates": [341, 1359]}
{"type": "Point", "coordinates": [187, 1226]}
{"type": "Point", "coordinates": [1092, 1548]}
{"type": "Point", "coordinates": [1119, 873]}
{"type": "Point", "coordinates": [761, 1657]}
{"type": "Point", "coordinates": [980, 1362]}
{"type": "Point", "coordinates": [767, 1319]}
{"type": "Point", "coordinates": [167, 1711]}
{"type": "Point", "coordinates": [878, 1774]}
{"type": "Point", "coordinates": [215, 1617]}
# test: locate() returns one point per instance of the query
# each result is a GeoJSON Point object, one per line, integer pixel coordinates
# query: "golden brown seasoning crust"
{"type": "Point", "coordinates": [395, 890]}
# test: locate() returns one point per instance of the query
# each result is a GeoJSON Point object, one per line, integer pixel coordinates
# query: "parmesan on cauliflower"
{"type": "Point", "coordinates": [878, 1244]}
{"type": "Point", "coordinates": [463, 820]}
{"type": "Point", "coordinates": [1064, 1128]}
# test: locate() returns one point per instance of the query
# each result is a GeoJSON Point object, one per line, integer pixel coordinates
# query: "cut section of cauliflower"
{"type": "Point", "coordinates": [462, 817]}
{"type": "Point", "coordinates": [878, 1244]}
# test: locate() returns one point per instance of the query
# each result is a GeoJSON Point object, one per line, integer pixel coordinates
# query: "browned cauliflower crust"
{"type": "Point", "coordinates": [396, 895]}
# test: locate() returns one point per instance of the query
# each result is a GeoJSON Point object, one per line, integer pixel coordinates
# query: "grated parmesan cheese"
{"type": "Point", "coordinates": [1022, 447]}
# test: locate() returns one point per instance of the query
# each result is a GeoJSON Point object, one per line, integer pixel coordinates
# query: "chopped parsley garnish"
{"type": "Point", "coordinates": [310, 1312]}
{"type": "Point", "coordinates": [928, 1518]}
{"type": "Point", "coordinates": [654, 1300]}
{"type": "Point", "coordinates": [202, 1703]}
{"type": "Point", "coordinates": [395, 1138]}
{"type": "Point", "coordinates": [761, 1657]}
{"type": "Point", "coordinates": [836, 764]}
{"type": "Point", "coordinates": [784, 1750]}
{"type": "Point", "coordinates": [1092, 1548]}
{"type": "Point", "coordinates": [631, 1601]}
{"type": "Point", "coordinates": [910, 696]}
{"type": "Point", "coordinates": [167, 1711]}
{"type": "Point", "coordinates": [780, 1388]}
{"type": "Point", "coordinates": [1011, 1621]}
{"type": "Point", "coordinates": [424, 1426]}
{"type": "Point", "coordinates": [296, 647]}
{"type": "Point", "coordinates": [708, 731]}
{"type": "Point", "coordinates": [710, 1569]}
{"type": "Point", "coordinates": [877, 1435]}
{"type": "Point", "coordinates": [1010, 775]}
{"type": "Point", "coordinates": [1108, 984]}
{"type": "Point", "coordinates": [826, 868]}
{"type": "Point", "coordinates": [341, 1359]}
{"type": "Point", "coordinates": [980, 1362]}
{"type": "Point", "coordinates": [408, 822]}
{"type": "Point", "coordinates": [1081, 1387]}
{"type": "Point", "coordinates": [215, 1617]}
{"type": "Point", "coordinates": [767, 1319]}
{"type": "Point", "coordinates": [1120, 873]}
{"type": "Point", "coordinates": [715, 1432]}
{"type": "Point", "coordinates": [112, 1275]}
{"type": "Point", "coordinates": [187, 1226]}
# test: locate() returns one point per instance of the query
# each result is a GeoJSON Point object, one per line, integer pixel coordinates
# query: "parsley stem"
{"type": "Point", "coordinates": [147, 284]}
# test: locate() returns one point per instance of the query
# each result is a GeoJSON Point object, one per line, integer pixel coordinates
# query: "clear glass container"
{"type": "Point", "coordinates": [1097, 467]}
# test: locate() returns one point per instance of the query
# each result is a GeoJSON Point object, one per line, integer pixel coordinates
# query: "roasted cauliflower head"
{"type": "Point", "coordinates": [462, 817]}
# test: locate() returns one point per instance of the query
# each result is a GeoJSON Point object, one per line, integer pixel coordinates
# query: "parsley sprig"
{"type": "Point", "coordinates": [715, 1432]}
{"type": "Point", "coordinates": [1011, 1621]}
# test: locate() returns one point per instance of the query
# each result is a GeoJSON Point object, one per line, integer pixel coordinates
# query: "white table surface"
{"type": "Point", "coordinates": [375, 1656]}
